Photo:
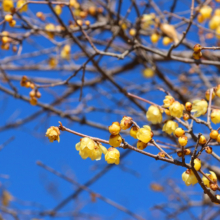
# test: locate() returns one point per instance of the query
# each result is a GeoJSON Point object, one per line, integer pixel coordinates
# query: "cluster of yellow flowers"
{"type": "Point", "coordinates": [8, 5]}
{"type": "Point", "coordinates": [34, 93]}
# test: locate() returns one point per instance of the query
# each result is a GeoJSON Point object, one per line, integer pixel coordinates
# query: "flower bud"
{"type": "Point", "coordinates": [115, 140]}
{"type": "Point", "coordinates": [179, 132]}
{"type": "Point", "coordinates": [126, 122]}
{"type": "Point", "coordinates": [217, 90]}
{"type": "Point", "coordinates": [114, 128]}
{"type": "Point", "coordinates": [187, 151]}
{"type": "Point", "coordinates": [197, 164]}
{"type": "Point", "coordinates": [167, 112]}
{"type": "Point", "coordinates": [179, 153]}
{"type": "Point", "coordinates": [168, 101]}
{"type": "Point", "coordinates": [33, 101]}
{"type": "Point", "coordinates": [133, 131]}
{"type": "Point", "coordinates": [207, 94]}
{"type": "Point", "coordinates": [185, 116]}
{"type": "Point", "coordinates": [218, 138]}
{"type": "Point", "coordinates": [154, 38]}
{"type": "Point", "coordinates": [214, 187]}
{"type": "Point", "coordinates": [188, 106]}
{"type": "Point", "coordinates": [176, 109]}
{"type": "Point", "coordinates": [141, 145]}
{"type": "Point", "coordinates": [161, 154]}
{"type": "Point", "coordinates": [208, 150]}
{"type": "Point", "coordinates": [215, 116]}
{"type": "Point", "coordinates": [132, 32]}
{"type": "Point", "coordinates": [183, 141]}
{"type": "Point", "coordinates": [202, 139]}
{"type": "Point", "coordinates": [148, 73]}
{"type": "Point", "coordinates": [213, 134]}
{"type": "Point", "coordinates": [154, 115]}
{"type": "Point", "coordinates": [197, 56]}
{"type": "Point", "coordinates": [197, 48]}
{"type": "Point", "coordinates": [8, 17]}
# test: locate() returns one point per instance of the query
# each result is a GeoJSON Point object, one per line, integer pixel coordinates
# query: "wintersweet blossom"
{"type": "Point", "coordinates": [145, 134]}
{"type": "Point", "coordinates": [212, 176]}
{"type": "Point", "coordinates": [112, 156]}
{"type": "Point", "coordinates": [7, 5]}
{"type": "Point", "coordinates": [126, 122]}
{"type": "Point", "coordinates": [215, 116]}
{"type": "Point", "coordinates": [170, 127]}
{"type": "Point", "coordinates": [114, 128]}
{"type": "Point", "coordinates": [176, 109]}
{"type": "Point", "coordinates": [115, 140]}
{"type": "Point", "coordinates": [199, 107]}
{"type": "Point", "coordinates": [133, 131]}
{"type": "Point", "coordinates": [53, 133]}
{"type": "Point", "coordinates": [89, 148]}
{"type": "Point", "coordinates": [20, 3]}
{"type": "Point", "coordinates": [189, 178]}
{"type": "Point", "coordinates": [168, 101]}
{"type": "Point", "coordinates": [154, 115]}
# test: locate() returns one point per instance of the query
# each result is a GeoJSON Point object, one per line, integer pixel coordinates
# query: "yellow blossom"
{"type": "Point", "coordinates": [170, 126]}
{"type": "Point", "coordinates": [167, 41]}
{"type": "Point", "coordinates": [145, 134]}
{"type": "Point", "coordinates": [133, 131]}
{"type": "Point", "coordinates": [199, 107]}
{"type": "Point", "coordinates": [65, 52]}
{"type": "Point", "coordinates": [7, 5]}
{"type": "Point", "coordinates": [202, 139]}
{"type": "Point", "coordinates": [50, 28]}
{"type": "Point", "coordinates": [53, 133]}
{"type": "Point", "coordinates": [148, 73]}
{"type": "Point", "coordinates": [154, 115]}
{"type": "Point", "coordinates": [179, 132]}
{"type": "Point", "coordinates": [206, 11]}
{"type": "Point", "coordinates": [126, 122]}
{"type": "Point", "coordinates": [197, 164]}
{"type": "Point", "coordinates": [214, 22]}
{"type": "Point", "coordinates": [154, 38]}
{"type": "Point", "coordinates": [189, 178]}
{"type": "Point", "coordinates": [114, 128]}
{"type": "Point", "coordinates": [215, 116]}
{"type": "Point", "coordinates": [147, 20]}
{"type": "Point", "coordinates": [213, 134]}
{"type": "Point", "coordinates": [212, 176]}
{"type": "Point", "coordinates": [183, 141]}
{"type": "Point", "coordinates": [58, 9]}
{"type": "Point", "coordinates": [89, 148]}
{"type": "Point", "coordinates": [168, 101]}
{"type": "Point", "coordinates": [112, 156]}
{"type": "Point", "coordinates": [176, 109]}
{"type": "Point", "coordinates": [20, 3]}
{"type": "Point", "coordinates": [115, 140]}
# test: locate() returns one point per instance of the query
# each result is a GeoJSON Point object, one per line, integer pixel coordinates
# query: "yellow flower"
{"type": "Point", "coordinates": [213, 134]}
{"type": "Point", "coordinates": [154, 38]}
{"type": "Point", "coordinates": [199, 107]}
{"type": "Point", "coordinates": [202, 139]}
{"type": "Point", "coordinates": [133, 132]}
{"type": "Point", "coordinates": [170, 126]}
{"type": "Point", "coordinates": [189, 178]}
{"type": "Point", "coordinates": [154, 115]}
{"type": "Point", "coordinates": [188, 106]}
{"type": "Point", "coordinates": [58, 9]}
{"type": "Point", "coordinates": [20, 3]}
{"type": "Point", "coordinates": [176, 109]}
{"type": "Point", "coordinates": [168, 101]}
{"type": "Point", "coordinates": [115, 140]}
{"type": "Point", "coordinates": [53, 133]}
{"type": "Point", "coordinates": [207, 94]}
{"type": "Point", "coordinates": [217, 90]}
{"type": "Point", "coordinates": [114, 128]}
{"type": "Point", "coordinates": [197, 164]}
{"type": "Point", "coordinates": [50, 28]}
{"type": "Point", "coordinates": [183, 141]}
{"type": "Point", "coordinates": [215, 116]}
{"type": "Point", "coordinates": [112, 156]}
{"type": "Point", "coordinates": [214, 22]}
{"type": "Point", "coordinates": [7, 5]}
{"type": "Point", "coordinates": [52, 62]}
{"type": "Point", "coordinates": [65, 52]}
{"type": "Point", "coordinates": [206, 11]}
{"type": "Point", "coordinates": [126, 122]}
{"type": "Point", "coordinates": [167, 41]}
{"type": "Point", "coordinates": [147, 20]}
{"type": "Point", "coordinates": [89, 148]}
{"type": "Point", "coordinates": [179, 132]}
{"type": "Point", "coordinates": [212, 176]}
{"type": "Point", "coordinates": [145, 134]}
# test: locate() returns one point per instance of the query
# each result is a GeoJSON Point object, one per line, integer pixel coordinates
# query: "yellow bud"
{"type": "Point", "coordinates": [40, 15]}
{"type": "Point", "coordinates": [132, 32]}
{"type": "Point", "coordinates": [197, 48]}
{"type": "Point", "coordinates": [161, 154]}
{"type": "Point", "coordinates": [167, 112]}
{"type": "Point", "coordinates": [202, 139]}
{"type": "Point", "coordinates": [188, 106]}
{"type": "Point", "coordinates": [115, 140]}
{"type": "Point", "coordinates": [83, 14]}
{"type": "Point", "coordinates": [114, 128]}
{"type": "Point", "coordinates": [207, 94]}
{"type": "Point", "coordinates": [52, 62]}
{"type": "Point", "coordinates": [187, 151]}
{"type": "Point", "coordinates": [214, 22]}
{"type": "Point", "coordinates": [53, 133]}
{"type": "Point", "coordinates": [12, 23]}
{"type": "Point", "coordinates": [179, 132]}
{"type": "Point", "coordinates": [215, 116]}
{"type": "Point", "coordinates": [92, 10]}
{"type": "Point", "coordinates": [200, 18]}
{"type": "Point", "coordinates": [5, 40]}
{"type": "Point", "coordinates": [154, 115]}
{"type": "Point", "coordinates": [8, 17]}
{"type": "Point", "coordinates": [214, 187]}
{"type": "Point", "coordinates": [33, 101]}
{"type": "Point", "coordinates": [141, 145]}
{"type": "Point", "coordinates": [148, 73]}
{"type": "Point", "coordinates": [218, 138]}
{"type": "Point", "coordinates": [126, 122]}
{"type": "Point", "coordinates": [218, 32]}
{"type": "Point", "coordinates": [167, 41]}
{"type": "Point", "coordinates": [217, 90]}
{"type": "Point", "coordinates": [87, 22]}
{"type": "Point", "coordinates": [185, 116]}
{"type": "Point", "coordinates": [208, 150]}
{"type": "Point", "coordinates": [197, 164]}
{"type": "Point", "coordinates": [183, 141]}
{"type": "Point", "coordinates": [50, 28]}
{"type": "Point", "coordinates": [197, 56]}
{"type": "Point", "coordinates": [154, 38]}
{"type": "Point", "coordinates": [58, 9]}
{"type": "Point", "coordinates": [213, 134]}
{"type": "Point", "coordinates": [133, 132]}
